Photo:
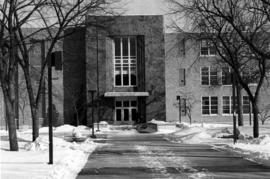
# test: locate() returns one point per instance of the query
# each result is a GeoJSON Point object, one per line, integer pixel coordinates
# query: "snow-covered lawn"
{"type": "Point", "coordinates": [219, 135]}
{"type": "Point", "coordinates": [32, 158]}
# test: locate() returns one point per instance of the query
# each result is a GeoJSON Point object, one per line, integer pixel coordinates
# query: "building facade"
{"type": "Point", "coordinates": [136, 72]}
{"type": "Point", "coordinates": [194, 74]}
{"type": "Point", "coordinates": [123, 62]}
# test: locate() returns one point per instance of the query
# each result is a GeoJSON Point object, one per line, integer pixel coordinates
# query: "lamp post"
{"type": "Point", "coordinates": [234, 105]}
{"type": "Point", "coordinates": [55, 60]}
{"type": "Point", "coordinates": [92, 106]}
{"type": "Point", "coordinates": [97, 82]}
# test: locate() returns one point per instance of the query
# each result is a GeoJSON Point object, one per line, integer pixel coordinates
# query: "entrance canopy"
{"type": "Point", "coordinates": [123, 94]}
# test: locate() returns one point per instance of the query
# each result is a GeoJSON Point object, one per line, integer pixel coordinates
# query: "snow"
{"type": "Point", "coordinates": [32, 158]}
{"type": "Point", "coordinates": [220, 137]}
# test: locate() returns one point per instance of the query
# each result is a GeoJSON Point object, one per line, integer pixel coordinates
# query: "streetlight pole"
{"type": "Point", "coordinates": [234, 116]}
{"type": "Point", "coordinates": [97, 82]}
{"type": "Point", "coordinates": [54, 59]}
{"type": "Point", "coordinates": [50, 109]}
{"type": "Point", "coordinates": [92, 106]}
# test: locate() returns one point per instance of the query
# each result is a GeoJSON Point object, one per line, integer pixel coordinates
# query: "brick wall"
{"type": "Point", "coordinates": [191, 61]}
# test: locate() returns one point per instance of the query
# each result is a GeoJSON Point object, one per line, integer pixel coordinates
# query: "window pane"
{"type": "Point", "coordinates": [118, 114]}
{"type": "Point", "coordinates": [125, 46]}
{"type": "Point", "coordinates": [134, 103]}
{"type": "Point", "coordinates": [126, 103]}
{"type": "Point", "coordinates": [212, 49]}
{"type": "Point", "coordinates": [134, 114]}
{"type": "Point", "coordinates": [205, 105]}
{"type": "Point", "coordinates": [132, 47]}
{"type": "Point", "coordinates": [133, 79]}
{"type": "Point", "coordinates": [246, 105]}
{"type": "Point", "coordinates": [226, 105]}
{"type": "Point", "coordinates": [214, 105]}
{"type": "Point", "coordinates": [117, 47]}
{"type": "Point", "coordinates": [125, 80]}
{"type": "Point", "coordinates": [126, 115]}
{"type": "Point", "coordinates": [118, 80]}
{"type": "Point", "coordinates": [118, 103]}
{"type": "Point", "coordinates": [204, 51]}
{"type": "Point", "coordinates": [205, 75]}
{"type": "Point", "coordinates": [226, 76]}
{"type": "Point", "coordinates": [213, 76]}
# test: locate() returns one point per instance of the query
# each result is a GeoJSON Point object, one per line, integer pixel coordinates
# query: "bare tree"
{"type": "Point", "coordinates": [264, 113]}
{"type": "Point", "coordinates": [50, 19]}
{"type": "Point", "coordinates": [240, 35]}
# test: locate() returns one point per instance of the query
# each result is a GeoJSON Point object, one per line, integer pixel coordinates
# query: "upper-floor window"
{"type": "Point", "coordinates": [207, 48]}
{"type": "Point", "coordinates": [125, 61]}
{"type": "Point", "coordinates": [226, 76]}
{"type": "Point", "coordinates": [249, 76]}
{"type": "Point", "coordinates": [209, 76]}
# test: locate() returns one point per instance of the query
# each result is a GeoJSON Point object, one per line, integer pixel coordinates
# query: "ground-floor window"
{"type": "Point", "coordinates": [209, 105]}
{"type": "Point", "coordinates": [126, 110]}
{"type": "Point", "coordinates": [246, 105]}
{"type": "Point", "coordinates": [227, 105]}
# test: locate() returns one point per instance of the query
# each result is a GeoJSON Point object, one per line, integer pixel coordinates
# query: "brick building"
{"type": "Point", "coordinates": [137, 71]}
{"type": "Point", "coordinates": [203, 84]}
{"type": "Point", "coordinates": [128, 77]}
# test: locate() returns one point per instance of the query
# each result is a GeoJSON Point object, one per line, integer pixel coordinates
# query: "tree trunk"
{"type": "Point", "coordinates": [10, 118]}
{"type": "Point", "coordinates": [33, 106]}
{"type": "Point", "coordinates": [255, 119]}
{"type": "Point", "coordinates": [239, 105]}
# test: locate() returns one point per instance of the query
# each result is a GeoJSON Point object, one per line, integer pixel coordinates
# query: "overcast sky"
{"type": "Point", "coordinates": [150, 7]}
{"type": "Point", "coordinates": [145, 7]}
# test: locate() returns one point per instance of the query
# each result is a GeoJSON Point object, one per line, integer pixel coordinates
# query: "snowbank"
{"type": "Point", "coordinates": [31, 161]}
{"type": "Point", "coordinates": [199, 133]}
{"type": "Point", "coordinates": [255, 149]}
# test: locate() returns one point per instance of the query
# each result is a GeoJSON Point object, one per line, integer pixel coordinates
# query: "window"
{"type": "Point", "coordinates": [227, 105]}
{"type": "Point", "coordinates": [125, 61]}
{"type": "Point", "coordinates": [246, 105]}
{"type": "Point", "coordinates": [207, 48]}
{"type": "Point", "coordinates": [213, 76]}
{"type": "Point", "coordinates": [125, 110]}
{"type": "Point", "coordinates": [249, 76]}
{"type": "Point", "coordinates": [210, 105]}
{"type": "Point", "coordinates": [226, 76]}
{"type": "Point", "coordinates": [209, 76]}
{"type": "Point", "coordinates": [182, 76]}
{"type": "Point", "coordinates": [205, 75]}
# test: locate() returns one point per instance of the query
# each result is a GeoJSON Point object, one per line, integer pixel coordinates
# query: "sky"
{"type": "Point", "coordinates": [145, 7]}
{"type": "Point", "coordinates": [151, 7]}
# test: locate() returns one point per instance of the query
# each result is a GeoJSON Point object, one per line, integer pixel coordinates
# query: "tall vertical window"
{"type": "Point", "coordinates": [226, 105]}
{"type": "Point", "coordinates": [213, 76]}
{"type": "Point", "coordinates": [207, 48]}
{"type": "Point", "coordinates": [125, 61]}
{"type": "Point", "coordinates": [226, 76]}
{"type": "Point", "coordinates": [209, 76]}
{"type": "Point", "coordinates": [209, 105]}
{"type": "Point", "coordinates": [205, 75]}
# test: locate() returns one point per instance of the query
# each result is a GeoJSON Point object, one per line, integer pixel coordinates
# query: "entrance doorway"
{"type": "Point", "coordinates": [126, 109]}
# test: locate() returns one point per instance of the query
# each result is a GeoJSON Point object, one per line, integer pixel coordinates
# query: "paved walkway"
{"type": "Point", "coordinates": [150, 156]}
